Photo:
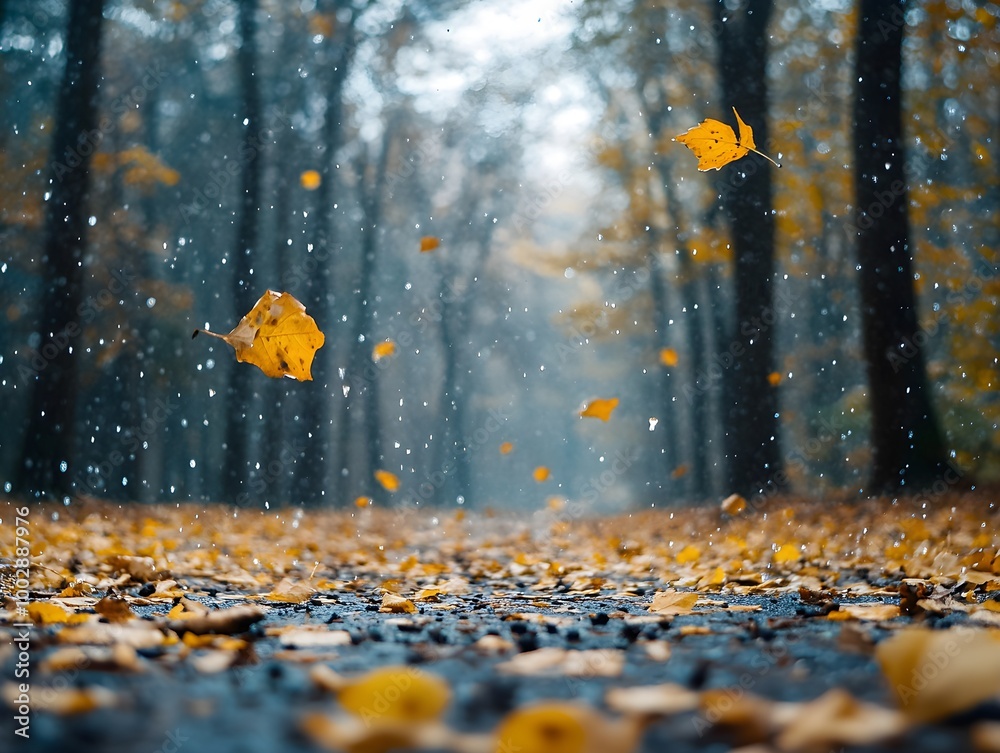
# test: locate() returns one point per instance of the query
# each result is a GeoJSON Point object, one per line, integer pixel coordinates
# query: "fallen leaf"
{"type": "Point", "coordinates": [396, 693]}
{"type": "Point", "coordinates": [937, 673]}
{"type": "Point", "coordinates": [307, 637]}
{"type": "Point", "coordinates": [44, 613]}
{"type": "Point", "coordinates": [601, 408]}
{"type": "Point", "coordinates": [733, 505]}
{"type": "Point", "coordinates": [565, 727]}
{"type": "Point", "coordinates": [551, 660]}
{"type": "Point", "coordinates": [396, 604]}
{"type": "Point", "coordinates": [837, 719]}
{"type": "Point", "coordinates": [672, 602]}
{"type": "Point", "coordinates": [291, 592]}
{"type": "Point", "coordinates": [688, 554]}
{"type": "Point", "coordinates": [652, 700]}
{"type": "Point", "coordinates": [66, 701]}
{"type": "Point", "coordinates": [388, 480]}
{"type": "Point", "coordinates": [114, 609]}
{"type": "Point", "coordinates": [715, 144]}
{"type": "Point", "coordinates": [277, 336]}
{"type": "Point", "coordinates": [222, 621]}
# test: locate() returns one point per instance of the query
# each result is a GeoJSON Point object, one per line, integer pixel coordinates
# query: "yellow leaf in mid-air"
{"type": "Point", "coordinates": [668, 357]}
{"type": "Point", "coordinates": [277, 336]}
{"type": "Point", "coordinates": [601, 408]}
{"type": "Point", "coordinates": [360, 502]}
{"type": "Point", "coordinates": [715, 144]}
{"type": "Point", "coordinates": [310, 179]}
{"type": "Point", "coordinates": [679, 472]}
{"type": "Point", "coordinates": [383, 349]}
{"type": "Point", "coordinates": [388, 480]}
{"type": "Point", "coordinates": [688, 554]}
{"type": "Point", "coordinates": [506, 448]}
{"type": "Point", "coordinates": [429, 243]}
{"type": "Point", "coordinates": [774, 379]}
{"type": "Point", "coordinates": [541, 473]}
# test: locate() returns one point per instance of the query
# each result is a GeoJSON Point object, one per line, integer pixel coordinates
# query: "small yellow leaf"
{"type": "Point", "coordinates": [388, 480]}
{"type": "Point", "coordinates": [383, 350]}
{"type": "Point", "coordinates": [361, 502]}
{"type": "Point", "coordinates": [429, 243]}
{"type": "Point", "coordinates": [506, 448]}
{"type": "Point", "coordinates": [550, 727]}
{"type": "Point", "coordinates": [669, 357]}
{"type": "Point", "coordinates": [601, 408]}
{"type": "Point", "coordinates": [787, 553]}
{"type": "Point", "coordinates": [541, 473]}
{"type": "Point", "coordinates": [734, 504]}
{"type": "Point", "coordinates": [679, 472]}
{"type": "Point", "coordinates": [47, 614]}
{"type": "Point", "coordinates": [310, 180]}
{"type": "Point", "coordinates": [774, 379]}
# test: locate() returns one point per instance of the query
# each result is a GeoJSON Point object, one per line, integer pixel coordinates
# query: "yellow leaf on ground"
{"type": "Point", "coordinates": [277, 336]}
{"type": "Point", "coordinates": [388, 480]}
{"type": "Point", "coordinates": [688, 554]}
{"type": "Point", "coordinates": [734, 504]}
{"type": "Point", "coordinates": [396, 693]}
{"type": "Point", "coordinates": [45, 613]}
{"type": "Point", "coordinates": [937, 673]}
{"type": "Point", "coordinates": [601, 408]}
{"type": "Point", "coordinates": [673, 602]}
{"type": "Point", "coordinates": [396, 604]}
{"type": "Point", "coordinates": [291, 592]}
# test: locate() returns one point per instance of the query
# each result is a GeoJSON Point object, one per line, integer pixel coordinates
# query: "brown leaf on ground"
{"type": "Point", "coordinates": [672, 602]}
{"type": "Point", "coordinates": [937, 673]}
{"type": "Point", "coordinates": [222, 621]}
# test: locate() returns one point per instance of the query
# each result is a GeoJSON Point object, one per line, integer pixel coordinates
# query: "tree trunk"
{"type": "Point", "coordinates": [314, 480]}
{"type": "Point", "coordinates": [239, 422]}
{"type": "Point", "coordinates": [750, 412]}
{"type": "Point", "coordinates": [48, 441]}
{"type": "Point", "coordinates": [908, 451]}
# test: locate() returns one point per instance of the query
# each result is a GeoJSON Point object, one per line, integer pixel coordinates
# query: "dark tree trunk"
{"type": "Point", "coordinates": [908, 451]}
{"type": "Point", "coordinates": [48, 441]}
{"type": "Point", "coordinates": [751, 402]}
{"type": "Point", "coordinates": [240, 422]}
{"type": "Point", "coordinates": [315, 477]}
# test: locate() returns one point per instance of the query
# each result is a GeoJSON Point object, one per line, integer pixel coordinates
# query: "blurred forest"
{"type": "Point", "coordinates": [493, 188]}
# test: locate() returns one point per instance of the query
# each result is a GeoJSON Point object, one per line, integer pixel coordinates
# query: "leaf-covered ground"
{"type": "Point", "coordinates": [790, 627]}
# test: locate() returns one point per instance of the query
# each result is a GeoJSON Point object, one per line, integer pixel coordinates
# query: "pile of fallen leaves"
{"type": "Point", "coordinates": [915, 584]}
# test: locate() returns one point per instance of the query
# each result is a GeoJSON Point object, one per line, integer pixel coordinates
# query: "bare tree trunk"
{"type": "Point", "coordinates": [48, 458]}
{"type": "Point", "coordinates": [238, 426]}
{"type": "Point", "coordinates": [906, 442]}
{"type": "Point", "coordinates": [751, 401]}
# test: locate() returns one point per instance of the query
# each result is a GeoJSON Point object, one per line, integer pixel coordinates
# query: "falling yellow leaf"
{"type": "Point", "coordinates": [506, 448]}
{"type": "Point", "coordinates": [310, 180]}
{"type": "Point", "coordinates": [541, 473]}
{"type": "Point", "coordinates": [668, 357]}
{"type": "Point", "coordinates": [429, 243]}
{"type": "Point", "coordinates": [774, 379]}
{"type": "Point", "coordinates": [362, 502]}
{"type": "Point", "coordinates": [715, 144]}
{"type": "Point", "coordinates": [786, 553]}
{"type": "Point", "coordinates": [601, 408]}
{"type": "Point", "coordinates": [555, 504]}
{"type": "Point", "coordinates": [679, 472]}
{"type": "Point", "coordinates": [388, 480]}
{"type": "Point", "coordinates": [383, 349]}
{"type": "Point", "coordinates": [277, 336]}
